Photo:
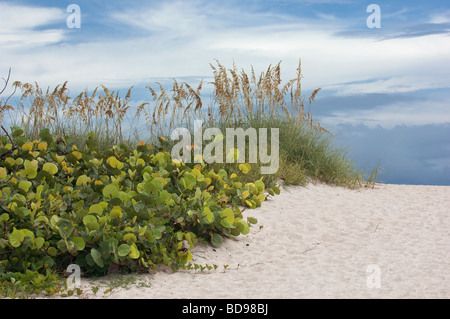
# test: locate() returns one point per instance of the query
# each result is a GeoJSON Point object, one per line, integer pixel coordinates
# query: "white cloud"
{"type": "Point", "coordinates": [179, 16]}
{"type": "Point", "coordinates": [440, 17]}
{"type": "Point", "coordinates": [179, 39]}
{"type": "Point", "coordinates": [399, 84]}
{"type": "Point", "coordinates": [422, 112]}
{"type": "Point", "coordinates": [18, 26]}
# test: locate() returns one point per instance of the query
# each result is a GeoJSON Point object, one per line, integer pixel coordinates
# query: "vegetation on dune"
{"type": "Point", "coordinates": [136, 208]}
{"type": "Point", "coordinates": [77, 188]}
{"type": "Point", "coordinates": [238, 100]}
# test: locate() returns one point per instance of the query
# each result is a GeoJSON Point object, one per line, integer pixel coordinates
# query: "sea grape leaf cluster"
{"type": "Point", "coordinates": [133, 207]}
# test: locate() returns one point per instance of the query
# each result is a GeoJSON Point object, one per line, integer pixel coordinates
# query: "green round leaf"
{"type": "Point", "coordinates": [164, 195]}
{"type": "Point", "coordinates": [156, 233]}
{"type": "Point", "coordinates": [82, 180]}
{"type": "Point", "coordinates": [54, 220]}
{"type": "Point", "coordinates": [24, 185]}
{"type": "Point", "coordinates": [97, 257]}
{"type": "Point", "coordinates": [52, 251]}
{"type": "Point", "coordinates": [110, 191]}
{"type": "Point", "coordinates": [209, 217]}
{"type": "Point", "coordinates": [130, 238]}
{"type": "Point", "coordinates": [228, 215]}
{"type": "Point", "coordinates": [189, 181]}
{"type": "Point", "coordinates": [114, 162]}
{"type": "Point", "coordinates": [16, 238]}
{"type": "Point", "coordinates": [116, 212]}
{"type": "Point", "coordinates": [30, 172]}
{"type": "Point", "coordinates": [17, 132]}
{"type": "Point", "coordinates": [235, 231]}
{"type": "Point", "coordinates": [91, 222]}
{"type": "Point", "coordinates": [3, 173]}
{"type": "Point", "coordinates": [41, 219]}
{"type": "Point", "coordinates": [191, 238]}
{"type": "Point", "coordinates": [226, 224]}
{"type": "Point", "coordinates": [11, 161]}
{"type": "Point", "coordinates": [261, 197]}
{"type": "Point", "coordinates": [79, 243]}
{"type": "Point", "coordinates": [71, 247]}
{"type": "Point", "coordinates": [22, 212]}
{"type": "Point", "coordinates": [88, 219]}
{"type": "Point", "coordinates": [156, 185]}
{"type": "Point", "coordinates": [250, 204]}
{"type": "Point", "coordinates": [123, 250]}
{"type": "Point", "coordinates": [134, 251]}
{"type": "Point", "coordinates": [243, 227]}
{"type": "Point", "coordinates": [216, 239]}
{"type": "Point", "coordinates": [28, 233]}
{"type": "Point", "coordinates": [47, 260]}
{"type": "Point", "coordinates": [50, 168]}
{"type": "Point", "coordinates": [39, 242]}
{"type": "Point", "coordinates": [62, 245]}
{"type": "Point", "coordinates": [65, 228]}
{"type": "Point", "coordinates": [260, 185]}
{"type": "Point", "coordinates": [245, 168]}
{"type": "Point", "coordinates": [276, 190]}
{"type": "Point", "coordinates": [96, 209]}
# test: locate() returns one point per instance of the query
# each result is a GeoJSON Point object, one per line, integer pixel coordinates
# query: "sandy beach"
{"type": "Point", "coordinates": [320, 241]}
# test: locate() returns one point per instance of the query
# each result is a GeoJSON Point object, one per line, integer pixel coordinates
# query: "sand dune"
{"type": "Point", "coordinates": [321, 241]}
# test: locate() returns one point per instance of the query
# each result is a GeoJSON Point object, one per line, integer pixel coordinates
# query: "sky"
{"type": "Point", "coordinates": [385, 89]}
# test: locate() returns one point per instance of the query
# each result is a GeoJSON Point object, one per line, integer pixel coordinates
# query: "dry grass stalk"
{"type": "Point", "coordinates": [240, 97]}
{"type": "Point", "coordinates": [237, 96]}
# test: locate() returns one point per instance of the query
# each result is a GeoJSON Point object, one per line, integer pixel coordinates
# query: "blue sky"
{"type": "Point", "coordinates": [385, 91]}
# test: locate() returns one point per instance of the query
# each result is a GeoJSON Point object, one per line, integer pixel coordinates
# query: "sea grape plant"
{"type": "Point", "coordinates": [132, 207]}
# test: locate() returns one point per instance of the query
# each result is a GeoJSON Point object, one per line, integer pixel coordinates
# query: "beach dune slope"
{"type": "Point", "coordinates": [320, 241]}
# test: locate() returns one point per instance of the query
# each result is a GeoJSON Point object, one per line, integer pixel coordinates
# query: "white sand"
{"type": "Point", "coordinates": [323, 242]}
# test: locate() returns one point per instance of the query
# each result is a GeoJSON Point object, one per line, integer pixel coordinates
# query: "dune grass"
{"type": "Point", "coordinates": [307, 150]}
